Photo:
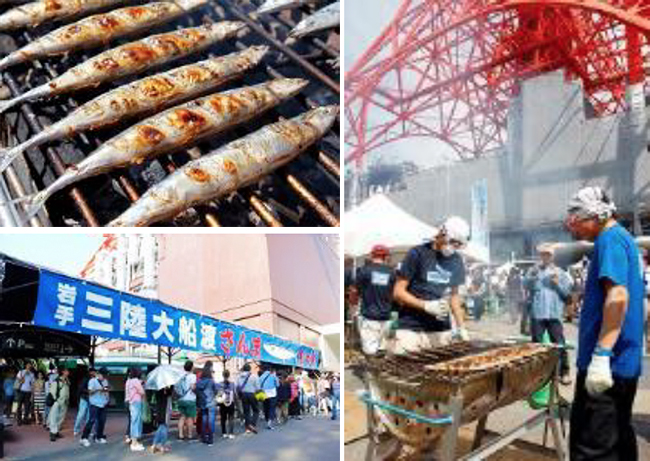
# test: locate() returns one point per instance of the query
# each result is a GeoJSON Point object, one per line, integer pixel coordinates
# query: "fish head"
{"type": "Point", "coordinates": [285, 88]}
{"type": "Point", "coordinates": [223, 28]}
{"type": "Point", "coordinates": [255, 53]}
{"type": "Point", "coordinates": [321, 117]}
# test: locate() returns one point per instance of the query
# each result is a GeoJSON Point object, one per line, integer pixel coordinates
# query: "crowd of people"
{"type": "Point", "coordinates": [425, 300]}
{"type": "Point", "coordinates": [200, 398]}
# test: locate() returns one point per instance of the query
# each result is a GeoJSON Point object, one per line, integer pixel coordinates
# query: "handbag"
{"type": "Point", "coordinates": [261, 395]}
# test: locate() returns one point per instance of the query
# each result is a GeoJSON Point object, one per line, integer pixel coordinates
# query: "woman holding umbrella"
{"type": "Point", "coordinates": [162, 380]}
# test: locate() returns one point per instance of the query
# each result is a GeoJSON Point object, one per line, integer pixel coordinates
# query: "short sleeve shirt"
{"type": "Point", "coordinates": [376, 281]}
{"type": "Point", "coordinates": [430, 275]}
{"type": "Point", "coordinates": [28, 381]}
{"type": "Point", "coordinates": [98, 399]}
{"type": "Point", "coordinates": [616, 258]}
{"type": "Point", "coordinates": [190, 380]}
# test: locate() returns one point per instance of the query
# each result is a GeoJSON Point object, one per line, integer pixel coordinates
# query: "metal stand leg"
{"type": "Point", "coordinates": [554, 407]}
{"type": "Point", "coordinates": [450, 439]}
{"type": "Point", "coordinates": [480, 432]}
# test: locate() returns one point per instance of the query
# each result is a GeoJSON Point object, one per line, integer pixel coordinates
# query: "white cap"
{"type": "Point", "coordinates": [456, 228]}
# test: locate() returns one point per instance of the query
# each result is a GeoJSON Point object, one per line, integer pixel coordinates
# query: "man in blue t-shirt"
{"type": "Point", "coordinates": [427, 290]}
{"type": "Point", "coordinates": [375, 281]}
{"type": "Point", "coordinates": [610, 335]}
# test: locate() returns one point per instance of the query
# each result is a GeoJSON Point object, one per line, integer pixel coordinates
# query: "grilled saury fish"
{"type": "Point", "coordinates": [100, 28]}
{"type": "Point", "coordinates": [149, 94]}
{"type": "Point", "coordinates": [325, 18]}
{"type": "Point", "coordinates": [130, 59]}
{"type": "Point", "coordinates": [174, 129]}
{"type": "Point", "coordinates": [273, 6]}
{"type": "Point", "coordinates": [35, 13]}
{"type": "Point", "coordinates": [235, 165]}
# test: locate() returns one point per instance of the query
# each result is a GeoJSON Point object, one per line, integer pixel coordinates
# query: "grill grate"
{"type": "Point", "coordinates": [305, 192]}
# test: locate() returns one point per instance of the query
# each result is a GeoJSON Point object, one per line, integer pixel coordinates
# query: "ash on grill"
{"type": "Point", "coordinates": [306, 192]}
{"type": "Point", "coordinates": [418, 401]}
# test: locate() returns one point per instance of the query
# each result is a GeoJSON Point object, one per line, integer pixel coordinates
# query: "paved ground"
{"type": "Point", "coordinates": [528, 448]}
{"type": "Point", "coordinates": [312, 439]}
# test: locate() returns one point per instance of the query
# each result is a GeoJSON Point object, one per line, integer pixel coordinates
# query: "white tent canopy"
{"type": "Point", "coordinates": [379, 220]}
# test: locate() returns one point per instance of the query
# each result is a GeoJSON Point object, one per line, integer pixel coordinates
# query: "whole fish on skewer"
{"type": "Point", "coordinates": [34, 13]}
{"type": "Point", "coordinates": [273, 6]}
{"type": "Point", "coordinates": [130, 59]}
{"type": "Point", "coordinates": [156, 92]}
{"type": "Point", "coordinates": [325, 18]}
{"type": "Point", "coordinates": [173, 129]}
{"type": "Point", "coordinates": [235, 165]}
{"type": "Point", "coordinates": [99, 29]}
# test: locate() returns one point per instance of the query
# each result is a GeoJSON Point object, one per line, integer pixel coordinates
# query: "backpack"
{"type": "Point", "coordinates": [49, 398]}
{"type": "Point", "coordinates": [181, 389]}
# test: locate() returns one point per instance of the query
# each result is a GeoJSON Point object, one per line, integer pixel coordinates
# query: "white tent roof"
{"type": "Point", "coordinates": [379, 220]}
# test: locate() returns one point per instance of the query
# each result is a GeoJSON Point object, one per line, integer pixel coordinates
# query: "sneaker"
{"type": "Point", "coordinates": [231, 436]}
{"type": "Point", "coordinates": [224, 436]}
{"type": "Point", "coordinates": [210, 444]}
{"type": "Point", "coordinates": [74, 434]}
{"type": "Point", "coordinates": [85, 442]}
{"type": "Point", "coordinates": [137, 447]}
{"type": "Point", "coordinates": [127, 439]}
{"type": "Point", "coordinates": [102, 440]}
{"type": "Point", "coordinates": [565, 380]}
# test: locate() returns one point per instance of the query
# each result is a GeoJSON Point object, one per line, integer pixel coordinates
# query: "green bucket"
{"type": "Point", "coordinates": [540, 398]}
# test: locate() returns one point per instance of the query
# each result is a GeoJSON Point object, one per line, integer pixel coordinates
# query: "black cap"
{"type": "Point", "coordinates": [103, 370]}
{"type": "Point", "coordinates": [92, 370]}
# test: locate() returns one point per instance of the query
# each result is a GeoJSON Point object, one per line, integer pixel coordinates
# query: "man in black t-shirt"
{"type": "Point", "coordinates": [375, 282]}
{"type": "Point", "coordinates": [427, 290]}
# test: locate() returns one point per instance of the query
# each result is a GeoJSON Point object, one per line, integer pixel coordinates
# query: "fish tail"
{"type": "Point", "coordinates": [33, 204]}
{"type": "Point", "coordinates": [7, 156]}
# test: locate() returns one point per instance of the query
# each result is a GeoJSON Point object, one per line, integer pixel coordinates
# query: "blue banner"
{"type": "Point", "coordinates": [70, 304]}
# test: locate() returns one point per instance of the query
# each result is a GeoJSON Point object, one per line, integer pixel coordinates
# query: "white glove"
{"type": "Point", "coordinates": [437, 308]}
{"type": "Point", "coordinates": [463, 334]}
{"type": "Point", "coordinates": [599, 375]}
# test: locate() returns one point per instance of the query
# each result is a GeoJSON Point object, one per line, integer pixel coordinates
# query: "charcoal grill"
{"type": "Point", "coordinates": [417, 401]}
{"type": "Point", "coordinates": [305, 192]}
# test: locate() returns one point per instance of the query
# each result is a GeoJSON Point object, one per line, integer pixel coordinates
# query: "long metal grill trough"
{"type": "Point", "coordinates": [484, 376]}
{"type": "Point", "coordinates": [306, 192]}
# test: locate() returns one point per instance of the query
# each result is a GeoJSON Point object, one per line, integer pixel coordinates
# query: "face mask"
{"type": "Point", "coordinates": [447, 251]}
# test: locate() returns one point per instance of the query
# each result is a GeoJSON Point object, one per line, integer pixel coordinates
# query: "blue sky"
{"type": "Point", "coordinates": [63, 252]}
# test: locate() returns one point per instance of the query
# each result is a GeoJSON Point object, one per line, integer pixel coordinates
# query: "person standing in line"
{"type": "Point", "coordinates": [98, 391]}
{"type": "Point", "coordinates": [51, 377]}
{"type": "Point", "coordinates": [206, 391]}
{"type": "Point", "coordinates": [375, 281]}
{"type": "Point", "coordinates": [83, 412]}
{"type": "Point", "coordinates": [284, 396]}
{"type": "Point", "coordinates": [269, 384]}
{"type": "Point", "coordinates": [60, 392]}
{"type": "Point", "coordinates": [39, 397]}
{"type": "Point", "coordinates": [248, 385]}
{"type": "Point", "coordinates": [163, 414]}
{"type": "Point", "coordinates": [24, 384]}
{"type": "Point", "coordinates": [336, 396]}
{"type": "Point", "coordinates": [9, 392]}
{"type": "Point", "coordinates": [226, 398]}
{"type": "Point", "coordinates": [135, 395]}
{"type": "Point", "coordinates": [294, 400]}
{"type": "Point", "coordinates": [427, 290]}
{"type": "Point", "coordinates": [550, 287]}
{"type": "Point", "coordinates": [323, 395]}
{"type": "Point", "coordinates": [610, 334]}
{"type": "Point", "coordinates": [185, 391]}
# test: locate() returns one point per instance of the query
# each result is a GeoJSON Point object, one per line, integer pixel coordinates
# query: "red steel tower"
{"type": "Point", "coordinates": [447, 69]}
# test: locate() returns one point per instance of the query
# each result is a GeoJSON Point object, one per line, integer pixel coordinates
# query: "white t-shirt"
{"type": "Point", "coordinates": [189, 381]}
{"type": "Point", "coordinates": [28, 382]}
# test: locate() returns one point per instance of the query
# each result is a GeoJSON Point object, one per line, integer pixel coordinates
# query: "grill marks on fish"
{"type": "Point", "coordinates": [234, 165]}
{"type": "Point", "coordinates": [95, 30]}
{"type": "Point", "coordinates": [37, 12]}
{"type": "Point", "coordinates": [142, 54]}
